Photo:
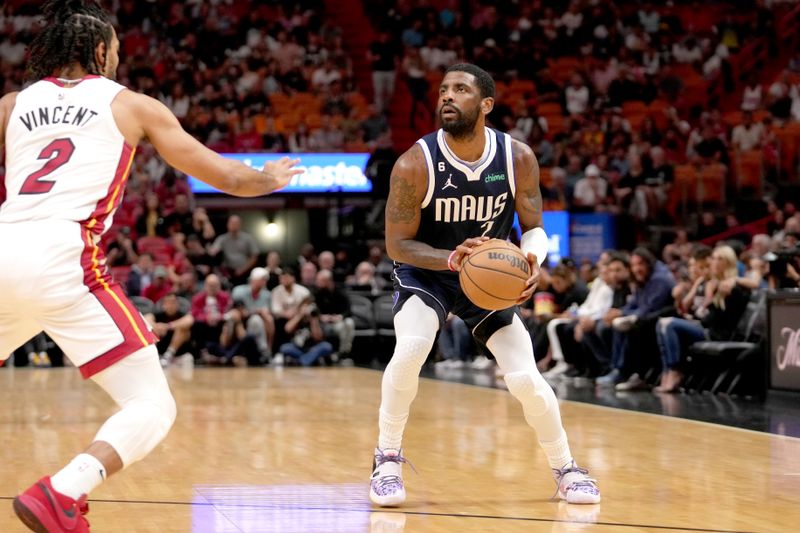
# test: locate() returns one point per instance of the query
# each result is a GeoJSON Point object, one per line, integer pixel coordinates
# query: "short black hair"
{"type": "Point", "coordinates": [645, 254]}
{"type": "Point", "coordinates": [701, 251]}
{"type": "Point", "coordinates": [71, 31]}
{"type": "Point", "coordinates": [483, 80]}
{"type": "Point", "coordinates": [622, 257]}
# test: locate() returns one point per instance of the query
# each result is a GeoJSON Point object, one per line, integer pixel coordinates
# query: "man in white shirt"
{"type": "Point", "coordinates": [576, 96]}
{"type": "Point", "coordinates": [747, 135]}
{"type": "Point", "coordinates": [593, 308]}
{"type": "Point", "coordinates": [287, 299]}
{"type": "Point", "coordinates": [591, 190]}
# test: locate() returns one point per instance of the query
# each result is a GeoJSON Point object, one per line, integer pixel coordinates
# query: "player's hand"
{"type": "Point", "coordinates": [281, 172]}
{"type": "Point", "coordinates": [531, 282]}
{"type": "Point", "coordinates": [464, 249]}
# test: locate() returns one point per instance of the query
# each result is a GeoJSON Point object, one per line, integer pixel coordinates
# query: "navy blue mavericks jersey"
{"type": "Point", "coordinates": [467, 199]}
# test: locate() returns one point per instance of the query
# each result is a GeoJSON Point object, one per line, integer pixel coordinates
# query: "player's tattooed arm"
{"type": "Point", "coordinates": [407, 189]}
{"type": "Point", "coordinates": [529, 196]}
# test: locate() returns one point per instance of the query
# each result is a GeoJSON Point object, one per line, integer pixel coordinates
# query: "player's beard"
{"type": "Point", "coordinates": [463, 125]}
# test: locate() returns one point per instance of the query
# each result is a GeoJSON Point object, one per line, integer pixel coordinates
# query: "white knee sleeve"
{"type": "Point", "coordinates": [415, 326]}
{"type": "Point", "coordinates": [138, 385]}
{"type": "Point", "coordinates": [409, 355]}
{"type": "Point", "coordinates": [532, 391]}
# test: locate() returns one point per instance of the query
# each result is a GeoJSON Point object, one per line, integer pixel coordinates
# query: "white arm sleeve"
{"type": "Point", "coordinates": [535, 242]}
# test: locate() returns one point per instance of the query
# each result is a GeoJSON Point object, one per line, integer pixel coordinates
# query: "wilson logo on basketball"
{"type": "Point", "coordinates": [789, 354]}
{"type": "Point", "coordinates": [514, 261]}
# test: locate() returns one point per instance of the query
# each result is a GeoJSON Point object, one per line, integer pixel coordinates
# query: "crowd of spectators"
{"type": "Point", "coordinates": [612, 96]}
{"type": "Point", "coordinates": [606, 93]}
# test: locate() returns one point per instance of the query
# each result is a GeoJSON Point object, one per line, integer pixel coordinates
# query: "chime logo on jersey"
{"type": "Point", "coordinates": [469, 207]}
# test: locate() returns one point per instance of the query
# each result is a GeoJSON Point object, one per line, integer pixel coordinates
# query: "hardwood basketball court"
{"type": "Point", "coordinates": [289, 450]}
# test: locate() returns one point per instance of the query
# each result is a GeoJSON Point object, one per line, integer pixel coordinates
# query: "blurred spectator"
{"type": "Point", "coordinates": [308, 274]}
{"type": "Point", "coordinates": [723, 304]}
{"type": "Point", "coordinates": [287, 299]}
{"type": "Point", "coordinates": [151, 222]}
{"type": "Point", "coordinates": [141, 275]}
{"type": "Point", "coordinates": [364, 279]}
{"type": "Point", "coordinates": [748, 135]}
{"type": "Point", "coordinates": [187, 285]}
{"type": "Point", "coordinates": [378, 259]}
{"type": "Point", "coordinates": [576, 96]}
{"type": "Point", "coordinates": [689, 291]}
{"type": "Point", "coordinates": [591, 190]}
{"type": "Point", "coordinates": [274, 270]}
{"type": "Point", "coordinates": [562, 331]}
{"type": "Point", "coordinates": [334, 312]}
{"type": "Point", "coordinates": [634, 329]}
{"type": "Point", "coordinates": [383, 56]}
{"type": "Point", "coordinates": [326, 138]}
{"type": "Point", "coordinates": [159, 287]}
{"type": "Point", "coordinates": [751, 99]}
{"type": "Point", "coordinates": [253, 302]}
{"type": "Point", "coordinates": [208, 310]}
{"type": "Point", "coordinates": [239, 250]}
{"type": "Point", "coordinates": [299, 139]}
{"type": "Point", "coordinates": [122, 250]}
{"type": "Point", "coordinates": [201, 226]}
{"type": "Point", "coordinates": [307, 345]}
{"type": "Point", "coordinates": [181, 219]}
{"type": "Point", "coordinates": [596, 338]}
{"type": "Point", "coordinates": [173, 326]}
{"type": "Point", "coordinates": [414, 71]}
{"type": "Point", "coordinates": [568, 293]}
{"type": "Point", "coordinates": [324, 75]}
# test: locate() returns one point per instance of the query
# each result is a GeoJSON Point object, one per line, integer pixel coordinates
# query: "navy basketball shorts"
{"type": "Point", "coordinates": [441, 291]}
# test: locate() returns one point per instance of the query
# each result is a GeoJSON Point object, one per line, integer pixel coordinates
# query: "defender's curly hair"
{"type": "Point", "coordinates": [71, 31]}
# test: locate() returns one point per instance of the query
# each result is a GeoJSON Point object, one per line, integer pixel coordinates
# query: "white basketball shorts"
{"type": "Point", "coordinates": [53, 279]}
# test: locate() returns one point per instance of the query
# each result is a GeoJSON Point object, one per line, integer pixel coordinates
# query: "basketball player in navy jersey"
{"type": "Point", "coordinates": [452, 190]}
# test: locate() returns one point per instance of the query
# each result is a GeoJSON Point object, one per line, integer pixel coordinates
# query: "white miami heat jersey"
{"type": "Point", "coordinates": [65, 157]}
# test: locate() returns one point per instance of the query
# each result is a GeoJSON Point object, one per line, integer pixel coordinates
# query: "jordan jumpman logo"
{"type": "Point", "coordinates": [449, 183]}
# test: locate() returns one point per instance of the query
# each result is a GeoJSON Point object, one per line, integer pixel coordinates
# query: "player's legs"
{"type": "Point", "coordinates": [415, 329]}
{"type": "Point", "coordinates": [137, 384]}
{"type": "Point", "coordinates": [511, 346]}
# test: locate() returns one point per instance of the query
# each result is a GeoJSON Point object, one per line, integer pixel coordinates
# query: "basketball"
{"type": "Point", "coordinates": [493, 276]}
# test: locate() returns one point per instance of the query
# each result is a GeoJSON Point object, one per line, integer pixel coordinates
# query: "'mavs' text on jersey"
{"type": "Point", "coordinates": [469, 207]}
{"type": "Point", "coordinates": [45, 116]}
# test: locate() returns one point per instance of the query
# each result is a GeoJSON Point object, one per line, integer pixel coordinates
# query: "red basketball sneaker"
{"type": "Point", "coordinates": [44, 510]}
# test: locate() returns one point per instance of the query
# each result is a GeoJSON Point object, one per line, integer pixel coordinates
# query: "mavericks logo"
{"type": "Point", "coordinates": [513, 260]}
{"type": "Point", "coordinates": [494, 177]}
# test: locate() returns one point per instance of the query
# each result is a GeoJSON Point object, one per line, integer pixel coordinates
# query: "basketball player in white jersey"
{"type": "Point", "coordinates": [69, 140]}
{"type": "Point", "coordinates": [449, 192]}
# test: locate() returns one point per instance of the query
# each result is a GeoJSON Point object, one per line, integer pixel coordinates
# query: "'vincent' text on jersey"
{"type": "Point", "coordinates": [467, 199]}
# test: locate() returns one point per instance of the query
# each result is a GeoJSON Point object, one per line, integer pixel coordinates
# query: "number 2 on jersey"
{"type": "Point", "coordinates": [58, 153]}
{"type": "Point", "coordinates": [488, 225]}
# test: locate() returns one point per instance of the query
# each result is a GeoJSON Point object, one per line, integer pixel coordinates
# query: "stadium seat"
{"type": "Point", "coordinates": [711, 184]}
{"type": "Point", "coordinates": [749, 169]}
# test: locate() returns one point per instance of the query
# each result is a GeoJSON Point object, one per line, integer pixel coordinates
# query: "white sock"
{"type": "Point", "coordinates": [557, 451]}
{"type": "Point", "coordinates": [81, 476]}
{"type": "Point", "coordinates": [391, 430]}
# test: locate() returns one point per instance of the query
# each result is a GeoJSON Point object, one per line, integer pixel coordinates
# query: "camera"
{"type": "Point", "coordinates": [313, 311]}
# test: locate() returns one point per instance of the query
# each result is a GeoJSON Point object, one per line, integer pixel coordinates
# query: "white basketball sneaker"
{"type": "Point", "coordinates": [386, 486]}
{"type": "Point", "coordinates": [575, 485]}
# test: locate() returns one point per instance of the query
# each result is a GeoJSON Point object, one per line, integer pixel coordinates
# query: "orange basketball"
{"type": "Point", "coordinates": [493, 275]}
